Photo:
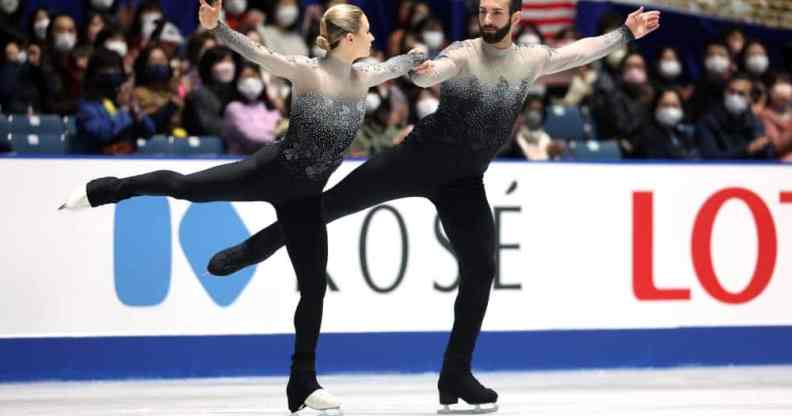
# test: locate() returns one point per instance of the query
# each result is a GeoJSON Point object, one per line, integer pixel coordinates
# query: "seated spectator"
{"type": "Point", "coordinates": [669, 73]}
{"type": "Point", "coordinates": [61, 66]}
{"type": "Point", "coordinates": [620, 113]}
{"type": "Point", "coordinates": [197, 44]}
{"type": "Point", "coordinates": [95, 23]}
{"type": "Point", "coordinates": [205, 106]}
{"type": "Point", "coordinates": [734, 40]}
{"type": "Point", "coordinates": [21, 81]}
{"type": "Point", "coordinates": [157, 90]}
{"type": "Point", "coordinates": [250, 121]}
{"type": "Point", "coordinates": [377, 134]}
{"type": "Point", "coordinates": [37, 26]}
{"type": "Point", "coordinates": [531, 141]}
{"type": "Point", "coordinates": [109, 121]}
{"type": "Point", "coordinates": [665, 136]}
{"type": "Point", "coordinates": [731, 130]}
{"type": "Point", "coordinates": [755, 61]}
{"type": "Point", "coordinates": [281, 34]}
{"type": "Point", "coordinates": [708, 92]}
{"type": "Point", "coordinates": [112, 37]}
{"type": "Point", "coordinates": [777, 118]}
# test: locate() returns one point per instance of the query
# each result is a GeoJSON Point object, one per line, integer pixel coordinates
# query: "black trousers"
{"type": "Point", "coordinates": [452, 180]}
{"type": "Point", "coordinates": [262, 177]}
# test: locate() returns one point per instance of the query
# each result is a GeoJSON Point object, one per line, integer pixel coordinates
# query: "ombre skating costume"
{"type": "Point", "coordinates": [444, 159]}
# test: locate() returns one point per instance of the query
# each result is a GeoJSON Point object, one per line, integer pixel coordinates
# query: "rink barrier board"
{"type": "Point", "coordinates": [144, 357]}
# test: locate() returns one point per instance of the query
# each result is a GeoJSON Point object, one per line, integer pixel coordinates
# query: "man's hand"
{"type": "Point", "coordinates": [642, 24]}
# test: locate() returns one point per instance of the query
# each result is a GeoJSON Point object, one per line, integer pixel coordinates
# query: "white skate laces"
{"type": "Point", "coordinates": [476, 409]}
{"type": "Point", "coordinates": [324, 402]}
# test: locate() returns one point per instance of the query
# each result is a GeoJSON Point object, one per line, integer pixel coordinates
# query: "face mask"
{"type": "Point", "coordinates": [110, 80]}
{"type": "Point", "coordinates": [533, 118]}
{"type": "Point", "coordinates": [286, 16]}
{"type": "Point", "coordinates": [735, 103]}
{"type": "Point", "coordinates": [102, 4]}
{"type": "Point", "coordinates": [235, 7]}
{"type": "Point", "coordinates": [434, 39]}
{"type": "Point", "coordinates": [670, 68]}
{"type": "Point", "coordinates": [669, 116]}
{"type": "Point", "coordinates": [40, 28]}
{"type": "Point", "coordinates": [426, 106]}
{"type": "Point", "coordinates": [157, 73]}
{"type": "Point", "coordinates": [717, 64]}
{"type": "Point", "coordinates": [529, 39]}
{"type": "Point", "coordinates": [635, 76]}
{"type": "Point", "coordinates": [65, 42]}
{"type": "Point", "coordinates": [251, 87]}
{"type": "Point", "coordinates": [757, 64]}
{"type": "Point", "coordinates": [118, 46]}
{"type": "Point", "coordinates": [615, 58]}
{"type": "Point", "coordinates": [22, 57]}
{"type": "Point", "coordinates": [224, 72]}
{"type": "Point", "coordinates": [9, 6]}
{"type": "Point", "coordinates": [373, 102]}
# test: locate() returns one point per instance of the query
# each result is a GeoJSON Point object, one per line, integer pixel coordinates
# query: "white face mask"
{"type": "Point", "coordinates": [9, 6]}
{"type": "Point", "coordinates": [286, 16]}
{"type": "Point", "coordinates": [615, 58]}
{"type": "Point", "coordinates": [40, 28]}
{"type": "Point", "coordinates": [717, 64]}
{"type": "Point", "coordinates": [670, 68]}
{"type": "Point", "coordinates": [235, 7]}
{"type": "Point", "coordinates": [251, 87]}
{"type": "Point", "coordinates": [65, 42]}
{"type": "Point", "coordinates": [434, 39]}
{"type": "Point", "coordinates": [102, 4]}
{"type": "Point", "coordinates": [736, 103]}
{"type": "Point", "coordinates": [529, 39]}
{"type": "Point", "coordinates": [426, 106]}
{"type": "Point", "coordinates": [224, 72]}
{"type": "Point", "coordinates": [669, 116]}
{"type": "Point", "coordinates": [373, 102]}
{"type": "Point", "coordinates": [757, 64]}
{"type": "Point", "coordinates": [118, 46]}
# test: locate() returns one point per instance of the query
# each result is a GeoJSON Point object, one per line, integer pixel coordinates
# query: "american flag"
{"type": "Point", "coordinates": [549, 16]}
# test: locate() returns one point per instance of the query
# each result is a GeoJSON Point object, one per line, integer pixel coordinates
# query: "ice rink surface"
{"type": "Point", "coordinates": [742, 391]}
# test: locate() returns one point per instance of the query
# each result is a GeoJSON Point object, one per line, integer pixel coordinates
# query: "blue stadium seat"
{"type": "Point", "coordinates": [566, 123]}
{"type": "Point", "coordinates": [156, 146]}
{"type": "Point", "coordinates": [50, 144]}
{"type": "Point", "coordinates": [595, 151]}
{"type": "Point", "coordinates": [36, 124]}
{"type": "Point", "coordinates": [198, 146]}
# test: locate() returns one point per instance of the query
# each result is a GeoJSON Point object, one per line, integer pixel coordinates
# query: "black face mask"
{"type": "Point", "coordinates": [497, 36]}
{"type": "Point", "coordinates": [157, 73]}
{"type": "Point", "coordinates": [110, 80]}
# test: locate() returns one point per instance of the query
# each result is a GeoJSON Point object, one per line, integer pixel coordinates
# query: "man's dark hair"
{"type": "Point", "coordinates": [516, 6]}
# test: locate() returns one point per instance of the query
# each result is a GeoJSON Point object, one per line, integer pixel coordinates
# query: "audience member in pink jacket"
{"type": "Point", "coordinates": [777, 118]}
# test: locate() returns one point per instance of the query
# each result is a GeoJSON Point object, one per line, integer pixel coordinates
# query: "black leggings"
{"type": "Point", "coordinates": [453, 183]}
{"type": "Point", "coordinates": [298, 205]}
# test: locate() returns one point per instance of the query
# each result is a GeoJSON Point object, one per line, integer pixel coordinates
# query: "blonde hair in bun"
{"type": "Point", "coordinates": [336, 23]}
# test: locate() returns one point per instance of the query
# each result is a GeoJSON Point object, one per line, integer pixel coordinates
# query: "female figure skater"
{"type": "Point", "coordinates": [327, 110]}
{"type": "Point", "coordinates": [485, 82]}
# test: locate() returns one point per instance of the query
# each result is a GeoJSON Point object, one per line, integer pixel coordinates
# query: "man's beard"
{"type": "Point", "coordinates": [497, 36]}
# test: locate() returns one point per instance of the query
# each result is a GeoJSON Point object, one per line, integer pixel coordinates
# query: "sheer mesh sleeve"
{"type": "Point", "coordinates": [395, 67]}
{"type": "Point", "coordinates": [446, 66]}
{"type": "Point", "coordinates": [288, 67]}
{"type": "Point", "coordinates": [584, 51]}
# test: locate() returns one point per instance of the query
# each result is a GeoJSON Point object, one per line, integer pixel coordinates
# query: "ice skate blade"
{"type": "Point", "coordinates": [305, 411]}
{"type": "Point", "coordinates": [77, 200]}
{"type": "Point", "coordinates": [478, 409]}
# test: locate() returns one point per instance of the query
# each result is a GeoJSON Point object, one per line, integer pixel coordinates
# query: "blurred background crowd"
{"type": "Point", "coordinates": [122, 77]}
